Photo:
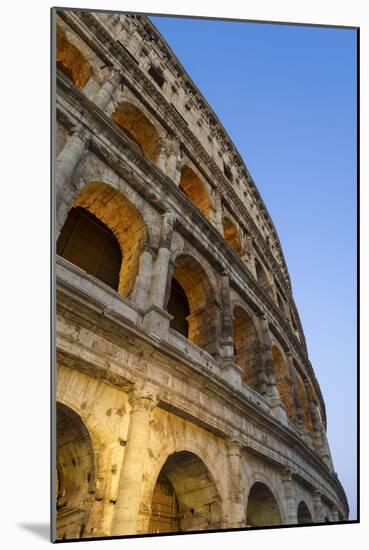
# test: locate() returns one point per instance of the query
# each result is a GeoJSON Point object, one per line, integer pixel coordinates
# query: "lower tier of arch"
{"type": "Point", "coordinates": [126, 465]}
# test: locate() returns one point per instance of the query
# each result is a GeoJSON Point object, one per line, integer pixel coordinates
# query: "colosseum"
{"type": "Point", "coordinates": [185, 398]}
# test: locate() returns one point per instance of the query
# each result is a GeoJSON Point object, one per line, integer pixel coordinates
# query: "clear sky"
{"type": "Point", "coordinates": [287, 97]}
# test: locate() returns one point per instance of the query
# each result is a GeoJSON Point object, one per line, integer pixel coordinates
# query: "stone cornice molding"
{"type": "Point", "coordinates": [170, 114]}
{"type": "Point", "coordinates": [93, 117]}
{"type": "Point", "coordinates": [234, 399]}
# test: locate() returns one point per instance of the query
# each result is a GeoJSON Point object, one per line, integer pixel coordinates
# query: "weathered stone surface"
{"type": "Point", "coordinates": [207, 417]}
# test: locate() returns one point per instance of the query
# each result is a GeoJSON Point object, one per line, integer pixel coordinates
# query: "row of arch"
{"type": "Point", "coordinates": [139, 129]}
{"type": "Point", "coordinates": [185, 496]}
{"type": "Point", "coordinates": [105, 234]}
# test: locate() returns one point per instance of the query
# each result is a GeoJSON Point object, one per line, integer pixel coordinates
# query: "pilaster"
{"type": "Point", "coordinates": [127, 507]}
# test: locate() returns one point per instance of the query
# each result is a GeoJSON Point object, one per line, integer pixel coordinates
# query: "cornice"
{"type": "Point", "coordinates": [75, 302]}
{"type": "Point", "coordinates": [101, 126]}
{"type": "Point", "coordinates": [169, 114]}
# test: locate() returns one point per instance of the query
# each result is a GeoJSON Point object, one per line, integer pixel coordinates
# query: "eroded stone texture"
{"type": "Point", "coordinates": [185, 397]}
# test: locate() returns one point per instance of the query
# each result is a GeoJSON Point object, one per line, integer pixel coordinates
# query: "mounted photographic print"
{"type": "Point", "coordinates": [184, 396]}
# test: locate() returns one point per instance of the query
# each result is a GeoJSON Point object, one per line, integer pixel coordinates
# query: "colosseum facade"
{"type": "Point", "coordinates": [185, 397]}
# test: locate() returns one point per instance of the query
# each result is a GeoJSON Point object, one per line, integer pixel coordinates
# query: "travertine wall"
{"type": "Point", "coordinates": [232, 416]}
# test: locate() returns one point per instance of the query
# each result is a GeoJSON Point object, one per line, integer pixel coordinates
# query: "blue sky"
{"type": "Point", "coordinates": [287, 97]}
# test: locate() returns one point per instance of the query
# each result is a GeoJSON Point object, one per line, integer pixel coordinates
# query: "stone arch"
{"type": "Point", "coordinates": [303, 403]}
{"type": "Point", "coordinates": [284, 381]}
{"type": "Point", "coordinates": [122, 218]}
{"type": "Point", "coordinates": [246, 347]}
{"type": "Point", "coordinates": [194, 282]}
{"type": "Point", "coordinates": [261, 274]}
{"type": "Point", "coordinates": [303, 513]}
{"type": "Point", "coordinates": [91, 245]}
{"type": "Point", "coordinates": [76, 473]}
{"type": "Point", "coordinates": [176, 445]}
{"type": "Point", "coordinates": [195, 501]}
{"type": "Point", "coordinates": [136, 125]}
{"type": "Point", "coordinates": [262, 506]}
{"type": "Point", "coordinates": [195, 189]}
{"type": "Point", "coordinates": [71, 61]}
{"type": "Point", "coordinates": [232, 235]}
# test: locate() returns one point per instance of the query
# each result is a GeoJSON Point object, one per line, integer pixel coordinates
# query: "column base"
{"type": "Point", "coordinates": [231, 372]}
{"type": "Point", "coordinates": [278, 410]}
{"type": "Point", "coordinates": [156, 322]}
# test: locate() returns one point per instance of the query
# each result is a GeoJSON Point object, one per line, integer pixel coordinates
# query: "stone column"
{"type": "Point", "coordinates": [169, 159]}
{"type": "Point", "coordinates": [127, 507]}
{"type": "Point", "coordinates": [317, 503]}
{"type": "Point", "coordinates": [335, 516]}
{"type": "Point", "coordinates": [224, 345]}
{"type": "Point", "coordinates": [156, 320]}
{"type": "Point", "coordinates": [278, 410]}
{"type": "Point", "coordinates": [249, 256]}
{"type": "Point", "coordinates": [326, 453]}
{"type": "Point", "coordinates": [175, 161]}
{"type": "Point", "coordinates": [65, 165]}
{"type": "Point", "coordinates": [289, 497]}
{"type": "Point", "coordinates": [162, 261]}
{"type": "Point", "coordinates": [171, 269]}
{"type": "Point", "coordinates": [217, 211]}
{"type": "Point", "coordinates": [103, 95]}
{"type": "Point", "coordinates": [143, 280]}
{"type": "Point", "coordinates": [162, 155]}
{"type": "Point", "coordinates": [236, 505]}
{"type": "Point", "coordinates": [226, 336]}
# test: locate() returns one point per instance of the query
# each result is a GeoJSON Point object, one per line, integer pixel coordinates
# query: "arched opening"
{"type": "Point", "coordinates": [262, 507]}
{"type": "Point", "coordinates": [284, 382]}
{"type": "Point", "coordinates": [75, 474]}
{"type": "Point", "coordinates": [303, 514]}
{"type": "Point", "coordinates": [138, 128]}
{"type": "Point", "coordinates": [261, 275]}
{"type": "Point", "coordinates": [191, 292]}
{"type": "Point", "coordinates": [70, 60]}
{"type": "Point", "coordinates": [89, 244]}
{"type": "Point", "coordinates": [232, 236]}
{"type": "Point", "coordinates": [179, 307]}
{"type": "Point", "coordinates": [185, 497]}
{"type": "Point", "coordinates": [195, 189]}
{"type": "Point", "coordinates": [246, 347]}
{"type": "Point", "coordinates": [303, 403]}
{"type": "Point", "coordinates": [104, 213]}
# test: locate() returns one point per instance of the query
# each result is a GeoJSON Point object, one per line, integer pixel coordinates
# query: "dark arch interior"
{"type": "Point", "coordinates": [70, 60]}
{"type": "Point", "coordinates": [232, 236]}
{"type": "Point", "coordinates": [246, 349]}
{"type": "Point", "coordinates": [75, 474]}
{"type": "Point", "coordinates": [185, 497]}
{"type": "Point", "coordinates": [195, 189]}
{"type": "Point", "coordinates": [89, 244]}
{"type": "Point", "coordinates": [192, 303]}
{"type": "Point", "coordinates": [303, 514]}
{"type": "Point", "coordinates": [138, 128]}
{"type": "Point", "coordinates": [262, 508]}
{"type": "Point", "coordinates": [260, 274]}
{"type": "Point", "coordinates": [178, 306]}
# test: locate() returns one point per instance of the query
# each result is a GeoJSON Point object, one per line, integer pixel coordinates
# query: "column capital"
{"type": "Point", "coordinates": [287, 475]}
{"type": "Point", "coordinates": [234, 446]}
{"type": "Point", "coordinates": [143, 399]}
{"type": "Point", "coordinates": [82, 133]}
{"type": "Point", "coordinates": [169, 217]}
{"type": "Point", "coordinates": [148, 247]}
{"type": "Point", "coordinates": [168, 221]}
{"type": "Point", "coordinates": [114, 77]}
